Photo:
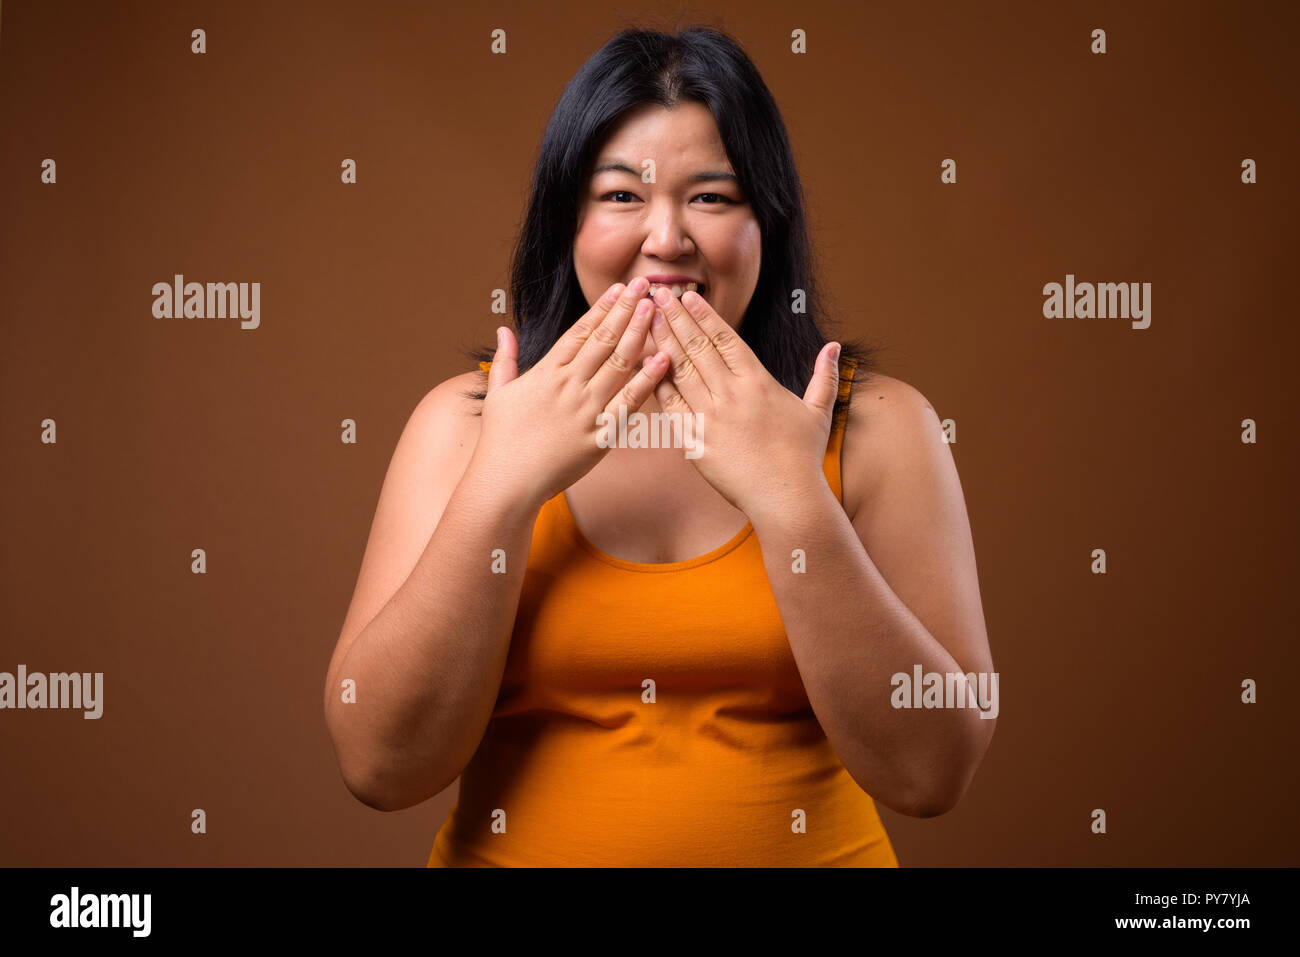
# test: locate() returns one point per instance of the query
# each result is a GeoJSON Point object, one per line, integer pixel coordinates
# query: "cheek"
{"type": "Point", "coordinates": [596, 258]}
{"type": "Point", "coordinates": [737, 250]}
{"type": "Point", "coordinates": [749, 244]}
{"type": "Point", "coordinates": [603, 242]}
{"type": "Point", "coordinates": [743, 252]}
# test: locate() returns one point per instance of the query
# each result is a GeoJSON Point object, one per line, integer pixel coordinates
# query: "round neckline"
{"type": "Point", "coordinates": [652, 567]}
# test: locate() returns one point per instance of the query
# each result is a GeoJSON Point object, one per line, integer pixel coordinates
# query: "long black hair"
{"type": "Point", "coordinates": [638, 67]}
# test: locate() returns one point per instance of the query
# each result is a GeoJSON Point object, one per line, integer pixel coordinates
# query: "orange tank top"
{"type": "Point", "coordinates": [653, 715]}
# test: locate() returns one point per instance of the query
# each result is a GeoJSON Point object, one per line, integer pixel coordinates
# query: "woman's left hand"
{"type": "Point", "coordinates": [757, 443]}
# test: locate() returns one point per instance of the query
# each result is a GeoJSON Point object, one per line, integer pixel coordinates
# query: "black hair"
{"type": "Point", "coordinates": [638, 67]}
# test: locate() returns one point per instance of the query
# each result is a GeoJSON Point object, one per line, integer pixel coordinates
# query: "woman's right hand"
{"type": "Point", "coordinates": [540, 428]}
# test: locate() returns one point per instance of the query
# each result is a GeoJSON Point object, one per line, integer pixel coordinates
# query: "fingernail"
{"type": "Point", "coordinates": [614, 292]}
{"type": "Point", "coordinates": [835, 352]}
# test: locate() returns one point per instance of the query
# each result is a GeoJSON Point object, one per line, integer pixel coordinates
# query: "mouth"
{"type": "Point", "coordinates": [678, 289]}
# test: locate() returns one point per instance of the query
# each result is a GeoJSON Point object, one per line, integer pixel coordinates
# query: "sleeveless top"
{"type": "Point", "coordinates": [653, 715]}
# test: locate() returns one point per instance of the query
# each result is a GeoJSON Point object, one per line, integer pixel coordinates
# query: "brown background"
{"type": "Point", "coordinates": [1119, 691]}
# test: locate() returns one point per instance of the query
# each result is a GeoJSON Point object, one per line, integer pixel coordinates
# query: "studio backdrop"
{"type": "Point", "coordinates": [1071, 226]}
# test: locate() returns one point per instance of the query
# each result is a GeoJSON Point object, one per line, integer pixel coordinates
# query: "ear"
{"type": "Point", "coordinates": [824, 387]}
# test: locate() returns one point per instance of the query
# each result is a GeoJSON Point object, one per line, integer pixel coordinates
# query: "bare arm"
{"type": "Point", "coordinates": [427, 634]}
{"type": "Point", "coordinates": [891, 589]}
{"type": "Point", "coordinates": [428, 666]}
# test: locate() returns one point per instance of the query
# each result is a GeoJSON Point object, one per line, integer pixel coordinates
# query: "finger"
{"type": "Point", "coordinates": [505, 360]}
{"type": "Point", "coordinates": [731, 346]}
{"type": "Point", "coordinates": [567, 346]}
{"type": "Point", "coordinates": [605, 335]}
{"type": "Point", "coordinates": [613, 372]}
{"type": "Point", "coordinates": [686, 378]}
{"type": "Point", "coordinates": [695, 342]}
{"type": "Point", "coordinates": [824, 386]}
{"type": "Point", "coordinates": [670, 400]}
{"type": "Point", "coordinates": [634, 394]}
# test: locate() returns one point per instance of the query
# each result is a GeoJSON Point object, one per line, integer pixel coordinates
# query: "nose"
{"type": "Point", "coordinates": [666, 236]}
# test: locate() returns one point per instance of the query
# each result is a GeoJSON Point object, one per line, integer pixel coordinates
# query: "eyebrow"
{"type": "Point", "coordinates": [701, 177]}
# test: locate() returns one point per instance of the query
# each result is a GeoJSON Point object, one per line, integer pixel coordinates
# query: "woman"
{"type": "Point", "coordinates": [663, 656]}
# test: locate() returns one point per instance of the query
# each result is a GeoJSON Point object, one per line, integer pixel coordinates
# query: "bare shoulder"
{"type": "Point", "coordinates": [428, 463]}
{"type": "Point", "coordinates": [434, 450]}
{"type": "Point", "coordinates": [887, 420]}
{"type": "Point", "coordinates": [447, 415]}
{"type": "Point", "coordinates": [431, 456]}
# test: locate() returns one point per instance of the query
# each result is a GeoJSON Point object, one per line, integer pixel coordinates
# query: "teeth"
{"type": "Point", "coordinates": [677, 289]}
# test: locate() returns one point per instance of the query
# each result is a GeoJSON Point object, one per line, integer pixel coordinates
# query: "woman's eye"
{"type": "Point", "coordinates": [717, 196]}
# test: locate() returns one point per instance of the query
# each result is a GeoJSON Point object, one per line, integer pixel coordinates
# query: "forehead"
{"type": "Point", "coordinates": [686, 131]}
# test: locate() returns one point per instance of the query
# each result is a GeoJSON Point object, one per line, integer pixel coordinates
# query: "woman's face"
{"type": "Point", "coordinates": [692, 220]}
